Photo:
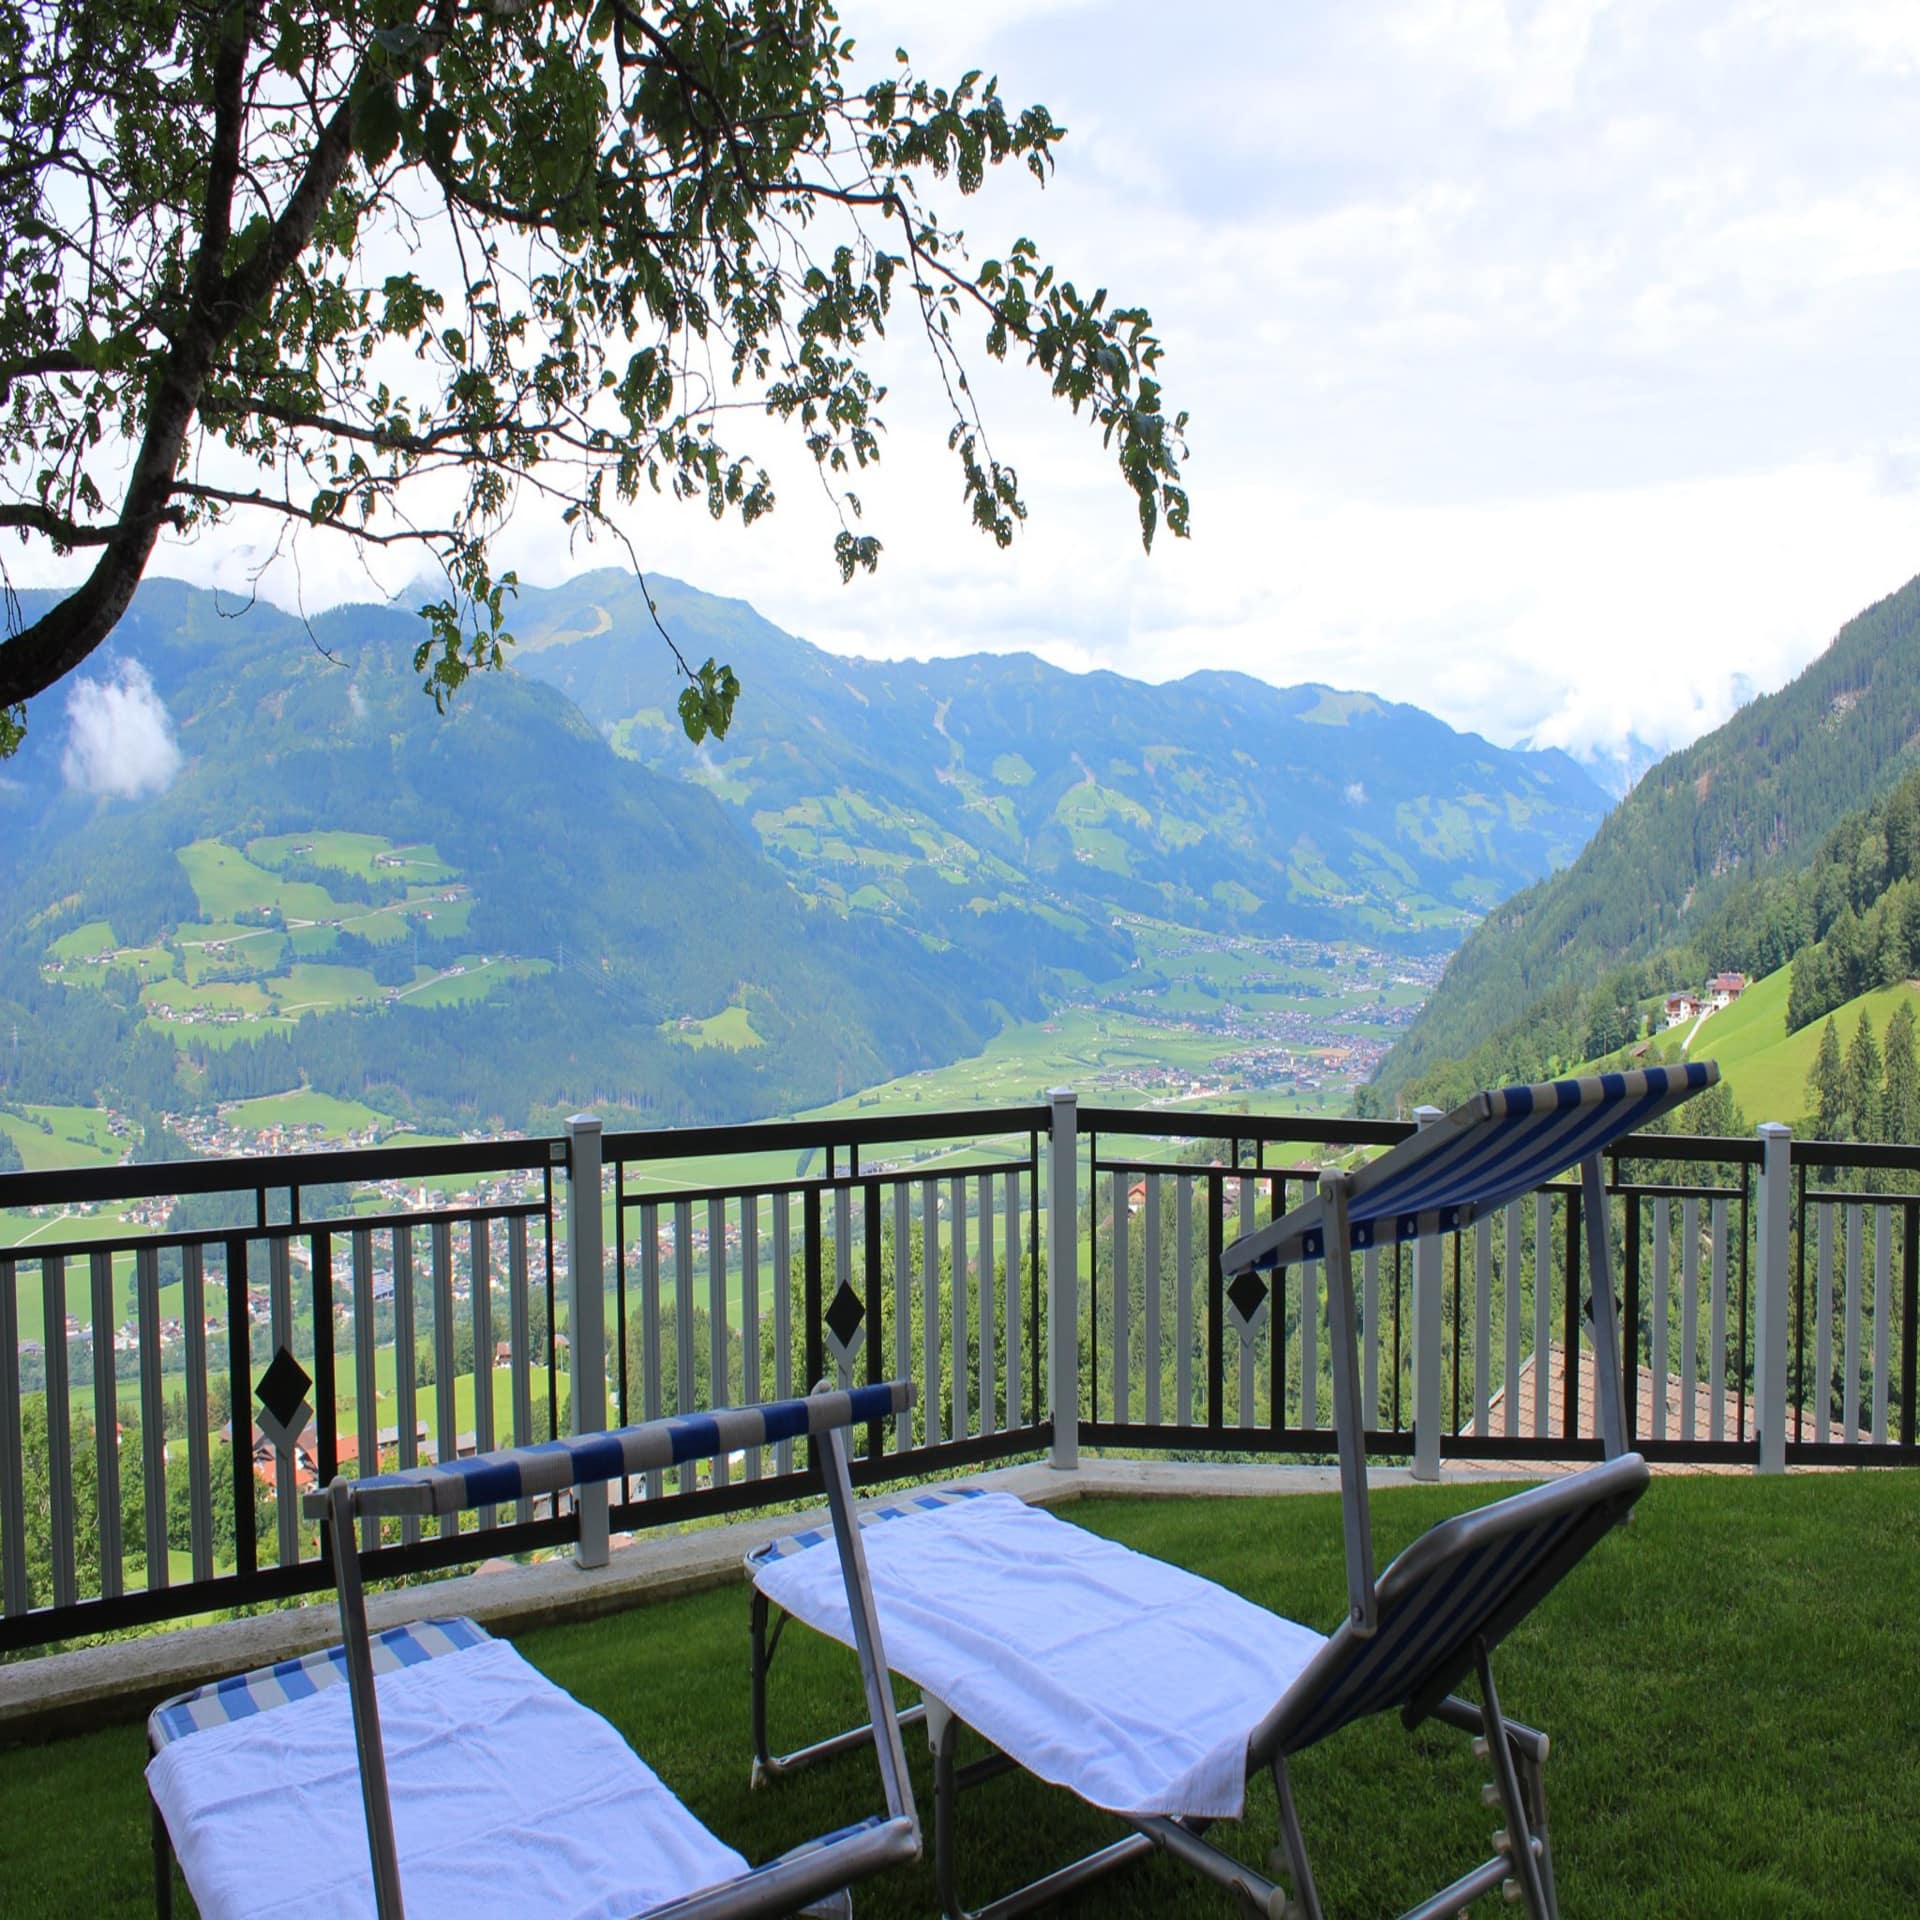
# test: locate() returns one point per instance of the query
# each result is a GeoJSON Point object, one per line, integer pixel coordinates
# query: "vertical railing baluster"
{"type": "Point", "coordinates": [812, 1332]}
{"type": "Point", "coordinates": [246, 1545]}
{"type": "Point", "coordinates": [874, 1297]}
{"type": "Point", "coordinates": [366, 1393]}
{"type": "Point", "coordinates": [1248, 1340]}
{"type": "Point", "coordinates": [650, 1404]}
{"type": "Point", "coordinates": [1689, 1315]}
{"type": "Point", "coordinates": [1370, 1369]}
{"type": "Point", "coordinates": [1882, 1316]}
{"type": "Point", "coordinates": [1309, 1344]}
{"type": "Point", "coordinates": [1483, 1325]}
{"type": "Point", "coordinates": [106, 1423]}
{"type": "Point", "coordinates": [1662, 1236]}
{"type": "Point", "coordinates": [1510, 1323]}
{"type": "Point", "coordinates": [1122, 1282]}
{"type": "Point", "coordinates": [782, 1319]}
{"type": "Point", "coordinates": [719, 1369]}
{"type": "Point", "coordinates": [962, 1333]}
{"type": "Point", "coordinates": [286, 1483]}
{"type": "Point", "coordinates": [903, 1304]}
{"type": "Point", "coordinates": [1015, 1411]}
{"type": "Point", "coordinates": [683, 1341]}
{"type": "Point", "coordinates": [480, 1241]}
{"type": "Point", "coordinates": [1823, 1329]}
{"type": "Point", "coordinates": [1850, 1335]}
{"type": "Point", "coordinates": [193, 1313]}
{"type": "Point", "coordinates": [843, 1264]}
{"type": "Point", "coordinates": [326, 1390]}
{"type": "Point", "coordinates": [15, 1592]}
{"type": "Point", "coordinates": [406, 1417]}
{"type": "Point", "coordinates": [1154, 1284]}
{"type": "Point", "coordinates": [153, 1414]}
{"type": "Point", "coordinates": [931, 1390]}
{"type": "Point", "coordinates": [53, 1303]}
{"type": "Point", "coordinates": [1717, 1326]}
{"type": "Point", "coordinates": [520, 1348]}
{"type": "Point", "coordinates": [1542, 1310]}
{"type": "Point", "coordinates": [1183, 1297]}
{"type": "Point", "coordinates": [987, 1383]}
{"type": "Point", "coordinates": [445, 1407]}
{"type": "Point", "coordinates": [750, 1318]}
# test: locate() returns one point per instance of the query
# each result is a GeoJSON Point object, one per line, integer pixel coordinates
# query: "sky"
{"type": "Point", "coordinates": [1551, 366]}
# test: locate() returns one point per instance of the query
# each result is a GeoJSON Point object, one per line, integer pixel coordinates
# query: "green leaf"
{"type": "Point", "coordinates": [706, 702]}
{"type": "Point", "coordinates": [377, 121]}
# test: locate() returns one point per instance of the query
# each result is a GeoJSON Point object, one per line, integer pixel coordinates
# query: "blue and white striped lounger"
{"type": "Point", "coordinates": [1156, 1695]}
{"type": "Point", "coordinates": [460, 1774]}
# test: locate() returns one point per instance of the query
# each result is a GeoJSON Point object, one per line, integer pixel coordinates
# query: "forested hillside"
{"type": "Point", "coordinates": [1745, 807]}
{"type": "Point", "coordinates": [517, 917]}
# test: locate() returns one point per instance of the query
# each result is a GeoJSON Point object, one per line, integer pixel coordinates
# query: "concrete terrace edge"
{"type": "Point", "coordinates": [54, 1695]}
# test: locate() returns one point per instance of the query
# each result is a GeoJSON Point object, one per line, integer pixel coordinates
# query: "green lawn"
{"type": "Point", "coordinates": [1735, 1730]}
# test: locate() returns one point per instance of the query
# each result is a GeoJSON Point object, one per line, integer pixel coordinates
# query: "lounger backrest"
{"type": "Point", "coordinates": [514, 1473]}
{"type": "Point", "coordinates": [1470, 1578]}
{"type": "Point", "coordinates": [518, 1473]}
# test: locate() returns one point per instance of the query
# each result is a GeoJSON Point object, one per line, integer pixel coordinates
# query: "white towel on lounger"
{"type": "Point", "coordinates": [1131, 1682]}
{"type": "Point", "coordinates": [509, 1797]}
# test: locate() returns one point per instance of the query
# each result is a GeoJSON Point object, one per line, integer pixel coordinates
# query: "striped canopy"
{"type": "Point", "coordinates": [518, 1473]}
{"type": "Point", "coordinates": [1494, 1148]}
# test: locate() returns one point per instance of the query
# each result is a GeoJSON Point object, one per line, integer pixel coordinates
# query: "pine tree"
{"type": "Point", "coordinates": [1827, 1087]}
{"type": "Point", "coordinates": [1900, 1084]}
{"type": "Point", "coordinates": [1863, 1071]}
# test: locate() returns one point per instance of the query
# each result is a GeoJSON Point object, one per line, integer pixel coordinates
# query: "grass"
{"type": "Point", "coordinates": [1735, 1730]}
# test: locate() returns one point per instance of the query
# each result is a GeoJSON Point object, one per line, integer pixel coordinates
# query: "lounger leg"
{"type": "Point", "coordinates": [162, 1863]}
{"type": "Point", "coordinates": [1306, 1895]}
{"type": "Point", "coordinates": [767, 1765]}
{"type": "Point", "coordinates": [1520, 1847]}
{"type": "Point", "coordinates": [949, 1781]}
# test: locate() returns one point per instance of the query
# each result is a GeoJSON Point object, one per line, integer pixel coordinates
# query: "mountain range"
{"type": "Point", "coordinates": [545, 898]}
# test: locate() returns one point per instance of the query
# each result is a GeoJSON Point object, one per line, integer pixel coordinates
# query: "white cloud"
{"type": "Point", "coordinates": [119, 736]}
{"type": "Point", "coordinates": [1550, 361]}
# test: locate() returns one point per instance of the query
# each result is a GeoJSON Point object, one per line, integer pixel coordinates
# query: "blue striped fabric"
{"type": "Point", "coordinates": [1496, 1147]}
{"type": "Point", "coordinates": [245, 1694]}
{"type": "Point", "coordinates": [518, 1473]}
{"type": "Point", "coordinates": [1424, 1628]}
{"type": "Point", "coordinates": [929, 1500]}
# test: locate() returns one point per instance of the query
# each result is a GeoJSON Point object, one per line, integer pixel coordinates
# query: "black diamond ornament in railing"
{"type": "Point", "coordinates": [844, 1315]}
{"type": "Point", "coordinates": [282, 1394]}
{"type": "Point", "coordinates": [1247, 1293]}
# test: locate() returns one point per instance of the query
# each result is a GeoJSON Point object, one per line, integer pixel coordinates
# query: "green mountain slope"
{"type": "Point", "coordinates": [522, 918]}
{"type": "Point", "coordinates": [1753, 798]}
{"type": "Point", "coordinates": [994, 801]}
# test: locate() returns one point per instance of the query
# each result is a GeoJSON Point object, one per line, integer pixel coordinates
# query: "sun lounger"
{"type": "Point", "coordinates": [1157, 1695]}
{"type": "Point", "coordinates": [465, 1776]}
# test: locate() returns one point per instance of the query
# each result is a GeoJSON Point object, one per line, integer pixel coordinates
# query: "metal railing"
{"type": "Point", "coordinates": [181, 1345]}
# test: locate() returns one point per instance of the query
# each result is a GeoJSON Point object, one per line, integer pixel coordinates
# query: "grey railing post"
{"type": "Point", "coordinates": [1770, 1297]}
{"type": "Point", "coordinates": [1428, 1340]}
{"type": "Point", "coordinates": [587, 1320]}
{"type": "Point", "coordinates": [1063, 1278]}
